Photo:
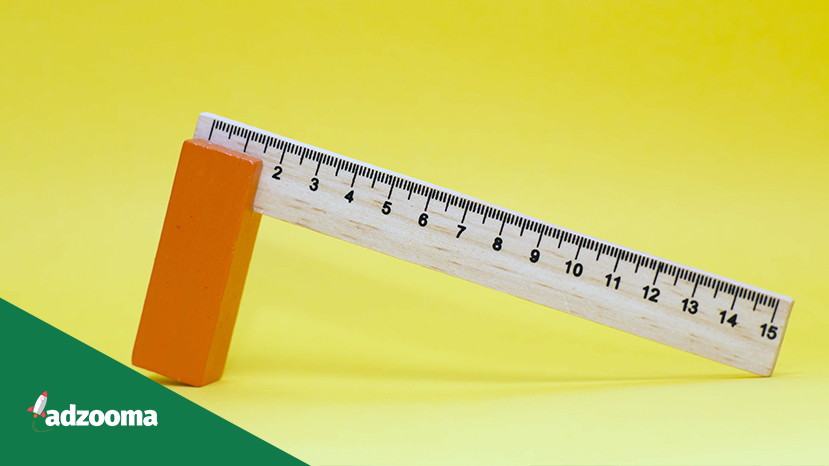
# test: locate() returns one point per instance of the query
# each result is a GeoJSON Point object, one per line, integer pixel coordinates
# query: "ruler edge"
{"type": "Point", "coordinates": [789, 302]}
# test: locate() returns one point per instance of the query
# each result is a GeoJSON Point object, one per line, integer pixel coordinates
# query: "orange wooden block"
{"type": "Point", "coordinates": [200, 268]}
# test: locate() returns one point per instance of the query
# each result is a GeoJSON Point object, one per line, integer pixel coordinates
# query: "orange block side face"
{"type": "Point", "coordinates": [201, 265]}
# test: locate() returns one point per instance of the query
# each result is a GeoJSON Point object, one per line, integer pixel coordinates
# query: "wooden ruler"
{"type": "Point", "coordinates": [680, 306]}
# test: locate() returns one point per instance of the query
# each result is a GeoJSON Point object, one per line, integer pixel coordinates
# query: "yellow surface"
{"type": "Point", "coordinates": [694, 131]}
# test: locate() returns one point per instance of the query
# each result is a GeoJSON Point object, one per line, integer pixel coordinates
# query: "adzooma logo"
{"type": "Point", "coordinates": [71, 417]}
{"type": "Point", "coordinates": [81, 417]}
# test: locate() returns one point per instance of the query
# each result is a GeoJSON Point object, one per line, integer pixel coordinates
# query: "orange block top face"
{"type": "Point", "coordinates": [201, 265]}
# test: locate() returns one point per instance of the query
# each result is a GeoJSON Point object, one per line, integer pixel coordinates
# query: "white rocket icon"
{"type": "Point", "coordinates": [39, 406]}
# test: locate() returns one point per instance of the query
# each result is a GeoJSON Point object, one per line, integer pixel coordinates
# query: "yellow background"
{"type": "Point", "coordinates": [694, 131]}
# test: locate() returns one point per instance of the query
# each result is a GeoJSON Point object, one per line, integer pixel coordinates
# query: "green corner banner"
{"type": "Point", "coordinates": [81, 382]}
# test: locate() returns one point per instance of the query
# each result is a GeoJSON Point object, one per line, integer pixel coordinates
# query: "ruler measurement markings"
{"type": "Point", "coordinates": [683, 276]}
